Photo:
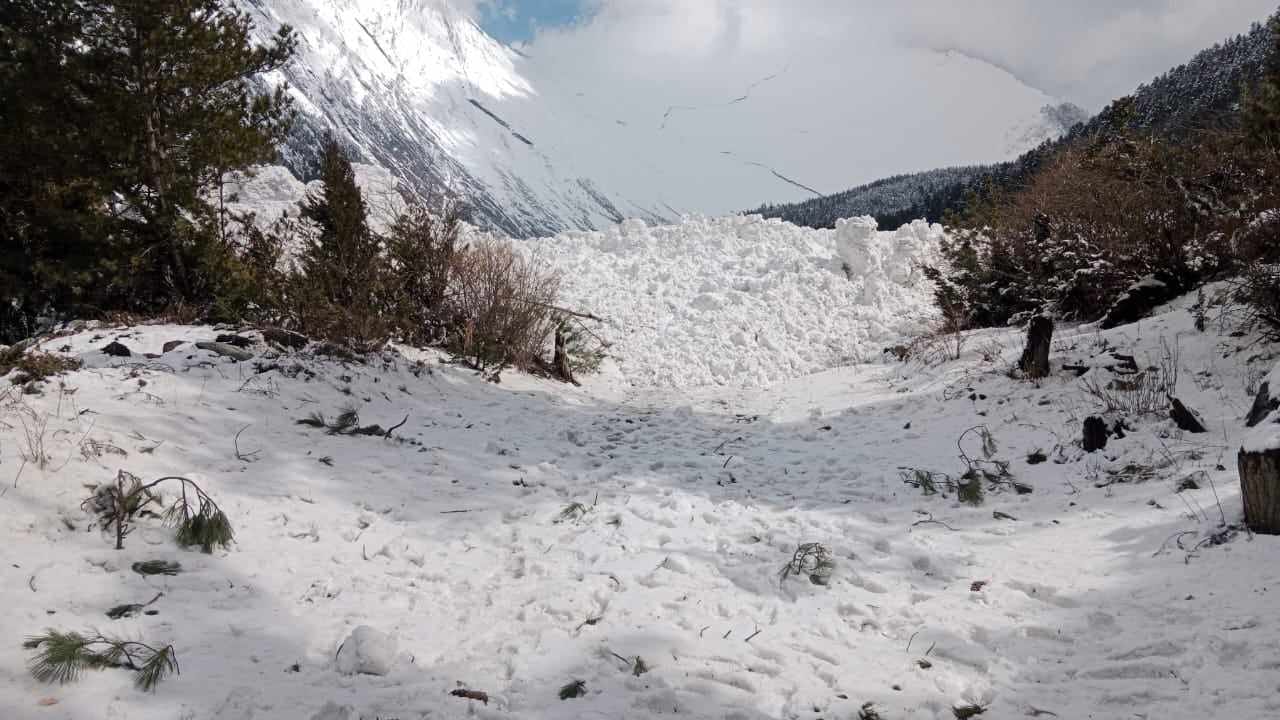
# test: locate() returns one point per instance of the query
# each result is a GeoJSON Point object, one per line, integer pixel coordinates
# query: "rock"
{"type": "Point", "coordinates": [1188, 483]}
{"type": "Point", "coordinates": [230, 351]}
{"type": "Point", "coordinates": [117, 349]}
{"type": "Point", "coordinates": [1140, 299]}
{"type": "Point", "coordinates": [1263, 405]}
{"type": "Point", "coordinates": [366, 651]}
{"type": "Point", "coordinates": [333, 711]}
{"type": "Point", "coordinates": [285, 338]}
{"type": "Point", "coordinates": [1095, 434]}
{"type": "Point", "coordinates": [1184, 417]}
{"type": "Point", "coordinates": [239, 341]}
{"type": "Point", "coordinates": [171, 345]}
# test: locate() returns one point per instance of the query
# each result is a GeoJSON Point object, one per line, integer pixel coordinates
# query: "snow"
{"type": "Point", "coordinates": [1266, 435]}
{"type": "Point", "coordinates": [742, 300]}
{"type": "Point", "coordinates": [453, 538]}
{"type": "Point", "coordinates": [366, 651]}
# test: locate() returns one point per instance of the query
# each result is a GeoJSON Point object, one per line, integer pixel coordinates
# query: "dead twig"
{"type": "Point", "coordinates": [244, 457]}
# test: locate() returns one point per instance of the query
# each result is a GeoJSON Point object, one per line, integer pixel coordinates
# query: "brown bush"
{"type": "Point", "coordinates": [502, 306]}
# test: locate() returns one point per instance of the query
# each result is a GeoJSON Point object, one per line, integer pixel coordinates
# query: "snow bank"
{"type": "Point", "coordinates": [742, 300]}
{"type": "Point", "coordinates": [270, 191]}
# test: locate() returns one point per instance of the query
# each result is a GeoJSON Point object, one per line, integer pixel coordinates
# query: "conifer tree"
{"type": "Point", "coordinates": [342, 267]}
{"type": "Point", "coordinates": [1260, 110]}
{"type": "Point", "coordinates": [177, 109]}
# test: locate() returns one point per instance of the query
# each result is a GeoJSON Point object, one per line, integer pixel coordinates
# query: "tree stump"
{"type": "Point", "coordinates": [1035, 356]}
{"type": "Point", "coordinates": [1095, 434]}
{"type": "Point", "coordinates": [1260, 489]}
{"type": "Point", "coordinates": [560, 362]}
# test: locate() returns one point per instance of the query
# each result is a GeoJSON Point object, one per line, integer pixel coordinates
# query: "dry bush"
{"type": "Point", "coordinates": [1258, 292]}
{"type": "Point", "coordinates": [502, 306]}
{"type": "Point", "coordinates": [1146, 392]}
{"type": "Point", "coordinates": [34, 366]}
{"type": "Point", "coordinates": [941, 343]}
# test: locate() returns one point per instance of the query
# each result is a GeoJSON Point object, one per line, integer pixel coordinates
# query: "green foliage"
{"type": "Point", "coordinates": [340, 287]}
{"type": "Point", "coordinates": [113, 214]}
{"type": "Point", "coordinates": [1260, 107]}
{"type": "Point", "coordinates": [420, 249]}
{"type": "Point", "coordinates": [575, 689]}
{"type": "Point", "coordinates": [62, 657]}
{"type": "Point", "coordinates": [197, 518]}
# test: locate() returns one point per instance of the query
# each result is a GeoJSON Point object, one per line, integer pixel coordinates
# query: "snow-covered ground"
{"type": "Point", "coordinates": [514, 538]}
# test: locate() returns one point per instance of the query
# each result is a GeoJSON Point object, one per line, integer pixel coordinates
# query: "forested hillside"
{"type": "Point", "coordinates": [1192, 95]}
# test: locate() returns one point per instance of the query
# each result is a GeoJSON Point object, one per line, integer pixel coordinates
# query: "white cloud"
{"type": "Point", "coordinates": [837, 92]}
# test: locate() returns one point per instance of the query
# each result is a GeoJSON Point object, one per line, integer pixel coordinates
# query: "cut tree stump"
{"type": "Point", "coordinates": [1095, 434]}
{"type": "Point", "coordinates": [1035, 357]}
{"type": "Point", "coordinates": [1260, 490]}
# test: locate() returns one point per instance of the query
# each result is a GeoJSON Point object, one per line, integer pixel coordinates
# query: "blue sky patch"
{"type": "Point", "coordinates": [516, 21]}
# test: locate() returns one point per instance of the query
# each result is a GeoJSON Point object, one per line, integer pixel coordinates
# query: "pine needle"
{"type": "Point", "coordinates": [575, 689]}
{"type": "Point", "coordinates": [62, 656]}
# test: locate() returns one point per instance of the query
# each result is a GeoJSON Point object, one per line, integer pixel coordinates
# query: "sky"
{"type": "Point", "coordinates": [726, 104]}
{"type": "Point", "coordinates": [1085, 51]}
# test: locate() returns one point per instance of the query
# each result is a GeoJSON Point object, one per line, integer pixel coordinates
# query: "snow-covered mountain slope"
{"type": "Point", "coordinates": [404, 83]}
{"type": "Point", "coordinates": [416, 87]}
{"type": "Point", "coordinates": [520, 537]}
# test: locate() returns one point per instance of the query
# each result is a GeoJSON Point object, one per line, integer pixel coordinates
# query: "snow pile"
{"type": "Point", "coordinates": [271, 191]}
{"type": "Point", "coordinates": [743, 300]}
{"type": "Point", "coordinates": [366, 651]}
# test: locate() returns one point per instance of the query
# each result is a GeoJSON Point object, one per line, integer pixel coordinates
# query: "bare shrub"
{"type": "Point", "coordinates": [941, 343]}
{"type": "Point", "coordinates": [1146, 392]}
{"type": "Point", "coordinates": [1258, 291]}
{"type": "Point", "coordinates": [502, 306]}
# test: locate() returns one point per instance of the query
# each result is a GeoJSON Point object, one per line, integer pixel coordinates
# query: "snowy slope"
{"type": "Point", "coordinates": [416, 87]}
{"type": "Point", "coordinates": [1092, 596]}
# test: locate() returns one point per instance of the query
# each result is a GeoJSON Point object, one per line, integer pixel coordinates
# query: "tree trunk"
{"type": "Point", "coordinates": [1095, 434]}
{"type": "Point", "coordinates": [1035, 357]}
{"type": "Point", "coordinates": [1260, 489]}
{"type": "Point", "coordinates": [561, 360]}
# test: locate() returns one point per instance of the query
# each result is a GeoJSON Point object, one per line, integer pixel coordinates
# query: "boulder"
{"type": "Point", "coordinates": [171, 346]}
{"type": "Point", "coordinates": [366, 651]}
{"type": "Point", "coordinates": [1264, 403]}
{"type": "Point", "coordinates": [226, 350]}
{"type": "Point", "coordinates": [116, 349]}
{"type": "Point", "coordinates": [1140, 299]}
{"type": "Point", "coordinates": [1184, 417]}
{"type": "Point", "coordinates": [285, 338]}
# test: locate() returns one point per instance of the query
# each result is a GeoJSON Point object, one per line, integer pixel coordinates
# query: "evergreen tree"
{"type": "Point", "coordinates": [51, 219]}
{"type": "Point", "coordinates": [177, 109]}
{"type": "Point", "coordinates": [342, 268]}
{"type": "Point", "coordinates": [1261, 106]}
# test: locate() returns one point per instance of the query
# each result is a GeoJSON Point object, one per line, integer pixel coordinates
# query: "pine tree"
{"type": "Point", "coordinates": [51, 223]}
{"type": "Point", "coordinates": [342, 267]}
{"type": "Point", "coordinates": [177, 108]}
{"type": "Point", "coordinates": [1260, 111]}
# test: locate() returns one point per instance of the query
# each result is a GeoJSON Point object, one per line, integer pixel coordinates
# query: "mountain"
{"type": "Point", "coordinates": [1196, 94]}
{"type": "Point", "coordinates": [407, 85]}
{"type": "Point", "coordinates": [416, 87]}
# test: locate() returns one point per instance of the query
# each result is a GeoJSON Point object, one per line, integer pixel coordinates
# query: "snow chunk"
{"type": "Point", "coordinates": [742, 300]}
{"type": "Point", "coordinates": [367, 651]}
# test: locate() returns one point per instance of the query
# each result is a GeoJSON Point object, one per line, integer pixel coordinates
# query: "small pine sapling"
{"type": "Point", "coordinates": [575, 689]}
{"type": "Point", "coordinates": [62, 656]}
{"type": "Point", "coordinates": [198, 519]}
